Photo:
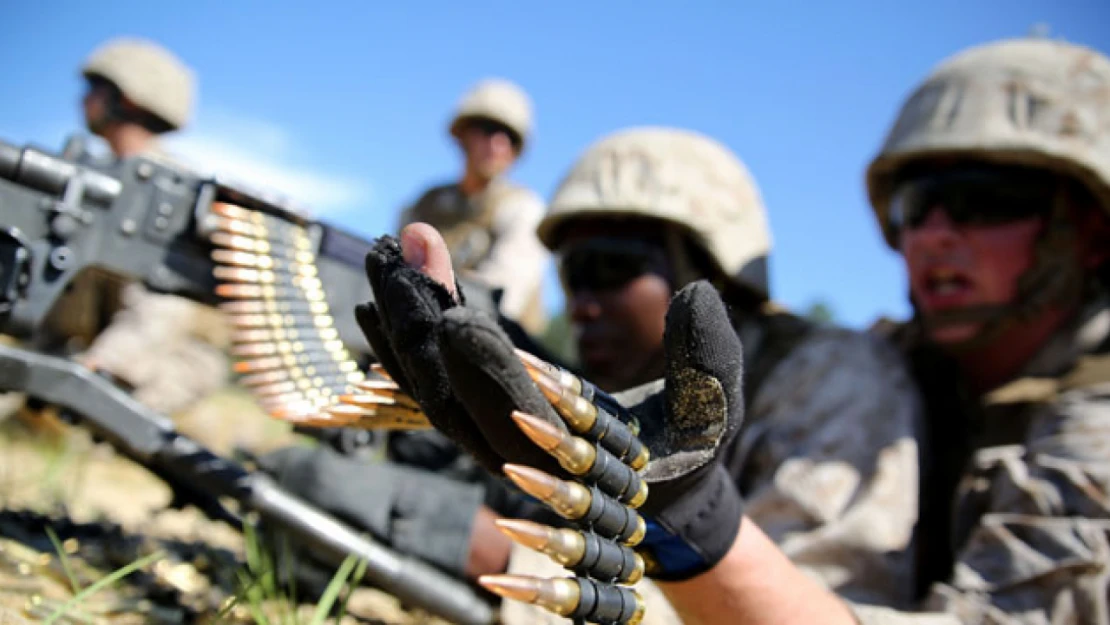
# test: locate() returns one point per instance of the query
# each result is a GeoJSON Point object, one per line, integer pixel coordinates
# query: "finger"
{"type": "Point", "coordinates": [424, 249]}
{"type": "Point", "coordinates": [488, 378]}
{"type": "Point", "coordinates": [704, 369]}
{"type": "Point", "coordinates": [371, 324]}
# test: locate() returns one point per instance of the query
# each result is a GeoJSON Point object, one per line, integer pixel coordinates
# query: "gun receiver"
{"type": "Point", "coordinates": [142, 219]}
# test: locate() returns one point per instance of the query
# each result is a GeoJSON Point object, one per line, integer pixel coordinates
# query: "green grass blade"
{"type": "Point", "coordinates": [331, 593]}
{"type": "Point", "coordinates": [102, 583]}
{"type": "Point", "coordinates": [64, 559]}
{"type": "Point", "coordinates": [356, 580]}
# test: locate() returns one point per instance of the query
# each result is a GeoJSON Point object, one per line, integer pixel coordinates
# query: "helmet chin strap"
{"type": "Point", "coordinates": [1055, 278]}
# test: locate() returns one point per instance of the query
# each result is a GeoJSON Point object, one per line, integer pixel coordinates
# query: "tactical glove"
{"type": "Point", "coordinates": [400, 326]}
{"type": "Point", "coordinates": [463, 370]}
{"type": "Point", "coordinates": [685, 421]}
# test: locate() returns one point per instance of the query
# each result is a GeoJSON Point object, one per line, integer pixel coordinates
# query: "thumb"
{"type": "Point", "coordinates": [424, 249]}
{"type": "Point", "coordinates": [705, 367]}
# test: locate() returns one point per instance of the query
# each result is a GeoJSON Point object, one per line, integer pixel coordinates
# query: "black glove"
{"type": "Point", "coordinates": [694, 508]}
{"type": "Point", "coordinates": [400, 327]}
{"type": "Point", "coordinates": [462, 368]}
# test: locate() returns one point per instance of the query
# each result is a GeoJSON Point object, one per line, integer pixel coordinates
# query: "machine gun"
{"type": "Point", "coordinates": [173, 230]}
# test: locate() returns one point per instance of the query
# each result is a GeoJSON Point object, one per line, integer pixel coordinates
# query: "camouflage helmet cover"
{"type": "Point", "coordinates": [499, 100]}
{"type": "Point", "coordinates": [1030, 102]}
{"type": "Point", "coordinates": [148, 75]}
{"type": "Point", "coordinates": [679, 177]}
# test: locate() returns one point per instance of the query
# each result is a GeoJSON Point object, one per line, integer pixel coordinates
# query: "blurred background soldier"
{"type": "Point", "coordinates": [168, 350]}
{"type": "Point", "coordinates": [489, 223]}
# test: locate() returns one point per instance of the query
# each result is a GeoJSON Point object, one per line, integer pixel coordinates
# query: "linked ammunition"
{"type": "Point", "coordinates": [326, 370]}
{"type": "Point", "coordinates": [368, 399]}
{"type": "Point", "coordinates": [577, 598]}
{"type": "Point", "coordinates": [379, 385]}
{"type": "Point", "coordinates": [378, 369]}
{"type": "Point", "coordinates": [582, 459]}
{"type": "Point", "coordinates": [261, 261]}
{"type": "Point", "coordinates": [582, 387]}
{"type": "Point", "coordinates": [247, 350]}
{"type": "Point", "coordinates": [262, 306]}
{"type": "Point", "coordinates": [283, 333]}
{"type": "Point", "coordinates": [586, 418]}
{"type": "Point", "coordinates": [340, 359]}
{"type": "Point", "coordinates": [266, 276]}
{"type": "Point", "coordinates": [288, 321]}
{"type": "Point", "coordinates": [304, 386]}
{"type": "Point", "coordinates": [239, 227]}
{"type": "Point", "coordinates": [267, 291]}
{"type": "Point", "coordinates": [260, 246]}
{"type": "Point", "coordinates": [382, 417]}
{"type": "Point", "coordinates": [586, 554]}
{"type": "Point", "coordinates": [578, 503]}
{"type": "Point", "coordinates": [256, 217]}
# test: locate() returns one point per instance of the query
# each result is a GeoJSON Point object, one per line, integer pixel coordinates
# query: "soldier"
{"type": "Point", "coordinates": [168, 349]}
{"type": "Point", "coordinates": [489, 222]}
{"type": "Point", "coordinates": [828, 471]}
{"type": "Point", "coordinates": [994, 185]}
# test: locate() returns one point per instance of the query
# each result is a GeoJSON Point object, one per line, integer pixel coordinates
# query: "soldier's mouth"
{"type": "Point", "coordinates": [944, 287]}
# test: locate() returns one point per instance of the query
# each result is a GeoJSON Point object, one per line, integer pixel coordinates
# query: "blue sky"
{"type": "Point", "coordinates": [344, 105]}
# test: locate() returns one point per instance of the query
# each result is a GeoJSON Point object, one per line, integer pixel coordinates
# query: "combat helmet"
{"type": "Point", "coordinates": [680, 177]}
{"type": "Point", "coordinates": [1028, 102]}
{"type": "Point", "coordinates": [148, 75]}
{"type": "Point", "coordinates": [498, 100]}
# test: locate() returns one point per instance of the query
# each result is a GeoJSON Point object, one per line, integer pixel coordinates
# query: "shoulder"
{"type": "Point", "coordinates": [439, 193]}
{"type": "Point", "coordinates": [869, 358]}
{"type": "Point", "coordinates": [835, 377]}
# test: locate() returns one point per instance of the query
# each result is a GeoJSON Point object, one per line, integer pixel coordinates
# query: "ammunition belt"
{"type": "Point", "coordinates": [283, 335]}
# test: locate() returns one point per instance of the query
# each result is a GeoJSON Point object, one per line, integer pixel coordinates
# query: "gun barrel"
{"type": "Point", "coordinates": [38, 170]}
{"type": "Point", "coordinates": [410, 580]}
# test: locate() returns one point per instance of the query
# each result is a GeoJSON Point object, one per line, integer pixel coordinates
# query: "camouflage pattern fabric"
{"type": "Point", "coordinates": [1032, 510]}
{"type": "Point", "coordinates": [171, 350]}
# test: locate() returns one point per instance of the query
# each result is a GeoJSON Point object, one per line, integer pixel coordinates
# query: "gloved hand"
{"type": "Point", "coordinates": [462, 369]}
{"type": "Point", "coordinates": [400, 326]}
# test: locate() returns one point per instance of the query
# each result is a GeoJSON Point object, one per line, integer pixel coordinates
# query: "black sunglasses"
{"type": "Point", "coordinates": [608, 264]}
{"type": "Point", "coordinates": [491, 127]}
{"type": "Point", "coordinates": [981, 196]}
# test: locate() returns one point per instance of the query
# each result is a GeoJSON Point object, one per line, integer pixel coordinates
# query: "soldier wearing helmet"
{"type": "Point", "coordinates": [168, 349]}
{"type": "Point", "coordinates": [136, 91]}
{"type": "Point", "coordinates": [488, 221]}
{"type": "Point", "coordinates": [994, 186]}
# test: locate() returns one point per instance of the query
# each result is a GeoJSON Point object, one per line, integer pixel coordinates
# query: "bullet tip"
{"type": "Point", "coordinates": [537, 430]}
{"type": "Point", "coordinates": [514, 587]}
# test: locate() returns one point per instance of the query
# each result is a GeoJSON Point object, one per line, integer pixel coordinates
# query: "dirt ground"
{"type": "Point", "coordinates": [54, 474]}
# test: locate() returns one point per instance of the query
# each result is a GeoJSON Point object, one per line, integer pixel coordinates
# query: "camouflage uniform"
{"type": "Point", "coordinates": [492, 235]}
{"type": "Point", "coordinates": [169, 349]}
{"type": "Point", "coordinates": [828, 470]}
{"type": "Point", "coordinates": [1018, 480]}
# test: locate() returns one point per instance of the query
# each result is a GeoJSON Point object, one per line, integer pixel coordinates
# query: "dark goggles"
{"type": "Point", "coordinates": [974, 197]}
{"type": "Point", "coordinates": [491, 127]}
{"type": "Point", "coordinates": [609, 264]}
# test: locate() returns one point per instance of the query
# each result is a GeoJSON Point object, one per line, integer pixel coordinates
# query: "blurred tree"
{"type": "Point", "coordinates": [820, 312]}
{"type": "Point", "coordinates": [557, 338]}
